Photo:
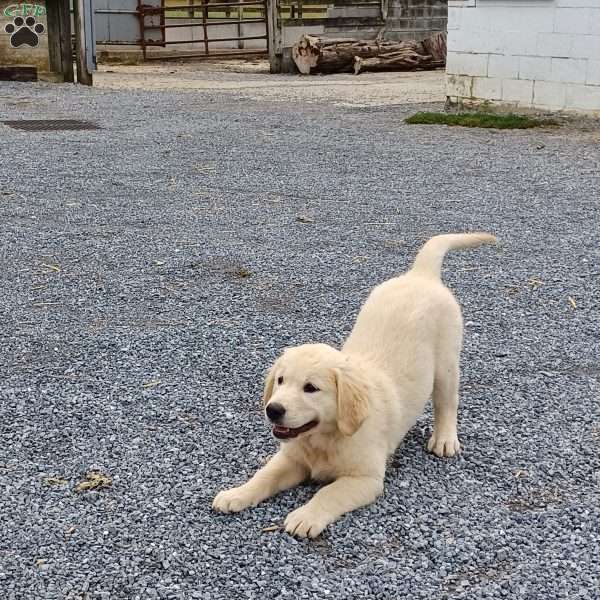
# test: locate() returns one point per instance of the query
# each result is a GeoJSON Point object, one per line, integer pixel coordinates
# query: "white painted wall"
{"type": "Point", "coordinates": [525, 53]}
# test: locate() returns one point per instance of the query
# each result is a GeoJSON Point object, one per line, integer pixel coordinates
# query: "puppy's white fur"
{"type": "Point", "coordinates": [404, 348]}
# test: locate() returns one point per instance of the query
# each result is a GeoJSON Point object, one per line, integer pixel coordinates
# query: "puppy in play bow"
{"type": "Point", "coordinates": [341, 413]}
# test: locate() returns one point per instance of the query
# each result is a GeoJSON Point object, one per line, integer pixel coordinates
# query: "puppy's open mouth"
{"type": "Point", "coordinates": [286, 433]}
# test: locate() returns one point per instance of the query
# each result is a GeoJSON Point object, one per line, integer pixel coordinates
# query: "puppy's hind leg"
{"type": "Point", "coordinates": [444, 440]}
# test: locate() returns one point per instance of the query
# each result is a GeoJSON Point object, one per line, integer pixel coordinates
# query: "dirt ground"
{"type": "Point", "coordinates": [252, 78]}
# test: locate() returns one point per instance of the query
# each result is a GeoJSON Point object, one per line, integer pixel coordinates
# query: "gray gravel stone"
{"type": "Point", "coordinates": [151, 271]}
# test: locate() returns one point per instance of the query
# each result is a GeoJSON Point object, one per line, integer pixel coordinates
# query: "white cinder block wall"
{"type": "Point", "coordinates": [541, 54]}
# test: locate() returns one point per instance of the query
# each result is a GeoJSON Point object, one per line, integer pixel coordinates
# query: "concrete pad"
{"type": "Point", "coordinates": [251, 77]}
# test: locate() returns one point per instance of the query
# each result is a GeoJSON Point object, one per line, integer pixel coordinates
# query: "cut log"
{"type": "Point", "coordinates": [405, 60]}
{"type": "Point", "coordinates": [314, 55]}
{"type": "Point", "coordinates": [436, 46]}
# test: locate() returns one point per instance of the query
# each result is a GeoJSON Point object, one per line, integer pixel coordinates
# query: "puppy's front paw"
{"type": "Point", "coordinates": [443, 445]}
{"type": "Point", "coordinates": [233, 500]}
{"type": "Point", "coordinates": [306, 522]}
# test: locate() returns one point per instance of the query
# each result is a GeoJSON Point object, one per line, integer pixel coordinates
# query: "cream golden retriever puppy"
{"type": "Point", "coordinates": [341, 413]}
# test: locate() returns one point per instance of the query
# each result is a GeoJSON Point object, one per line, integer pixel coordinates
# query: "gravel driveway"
{"type": "Point", "coordinates": [153, 268]}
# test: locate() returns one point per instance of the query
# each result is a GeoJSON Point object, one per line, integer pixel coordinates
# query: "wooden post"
{"type": "Point", "coordinates": [275, 34]}
{"type": "Point", "coordinates": [66, 43]}
{"type": "Point", "coordinates": [204, 26]}
{"type": "Point", "coordinates": [240, 17]}
{"type": "Point", "coordinates": [59, 39]}
{"type": "Point", "coordinates": [82, 49]}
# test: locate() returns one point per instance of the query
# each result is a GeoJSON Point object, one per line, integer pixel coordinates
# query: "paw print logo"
{"type": "Point", "coordinates": [24, 31]}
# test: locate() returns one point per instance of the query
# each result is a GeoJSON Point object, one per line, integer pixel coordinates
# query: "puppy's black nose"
{"type": "Point", "coordinates": [275, 411]}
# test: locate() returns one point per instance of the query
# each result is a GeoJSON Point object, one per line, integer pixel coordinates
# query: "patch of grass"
{"type": "Point", "coordinates": [485, 120]}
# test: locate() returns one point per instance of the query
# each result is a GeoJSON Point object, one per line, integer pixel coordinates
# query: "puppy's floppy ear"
{"type": "Point", "coordinates": [269, 383]}
{"type": "Point", "coordinates": [352, 399]}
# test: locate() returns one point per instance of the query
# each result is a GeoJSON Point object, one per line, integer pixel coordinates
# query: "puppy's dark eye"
{"type": "Point", "coordinates": [279, 380]}
{"type": "Point", "coordinates": [309, 388]}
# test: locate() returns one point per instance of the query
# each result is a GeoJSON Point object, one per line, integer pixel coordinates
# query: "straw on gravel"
{"type": "Point", "coordinates": [125, 265]}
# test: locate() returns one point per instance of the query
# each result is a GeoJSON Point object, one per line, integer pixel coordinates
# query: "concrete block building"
{"type": "Point", "coordinates": [527, 54]}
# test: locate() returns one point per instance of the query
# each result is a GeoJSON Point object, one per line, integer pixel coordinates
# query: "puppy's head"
{"type": "Point", "coordinates": [314, 389]}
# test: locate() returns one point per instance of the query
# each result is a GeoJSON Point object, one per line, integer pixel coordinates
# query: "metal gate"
{"type": "Point", "coordinates": [197, 28]}
{"type": "Point", "coordinates": [119, 23]}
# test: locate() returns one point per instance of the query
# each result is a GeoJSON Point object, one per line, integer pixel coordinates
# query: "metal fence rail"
{"type": "Point", "coordinates": [204, 16]}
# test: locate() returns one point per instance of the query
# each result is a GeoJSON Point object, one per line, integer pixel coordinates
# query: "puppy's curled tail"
{"type": "Point", "coordinates": [428, 262]}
